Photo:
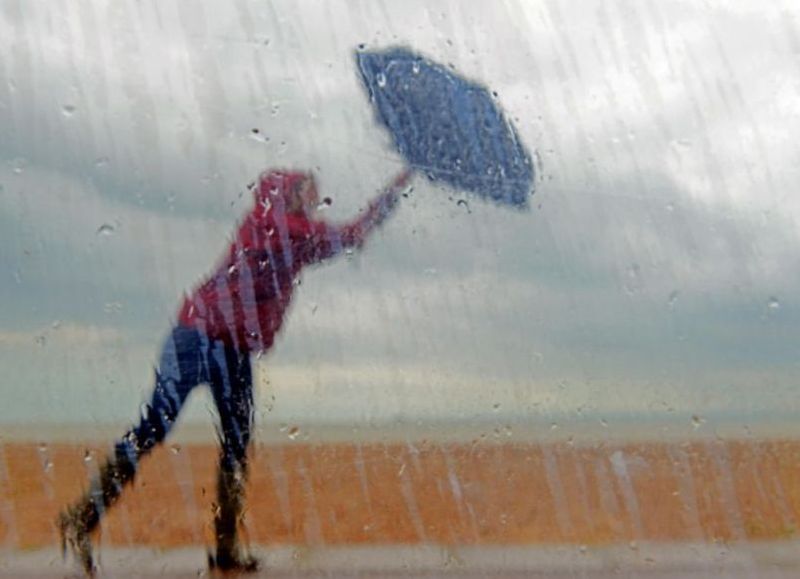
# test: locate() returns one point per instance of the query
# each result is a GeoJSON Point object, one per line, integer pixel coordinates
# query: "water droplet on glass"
{"type": "Point", "coordinates": [380, 78]}
{"type": "Point", "coordinates": [773, 303]}
{"type": "Point", "coordinates": [583, 549]}
{"type": "Point", "coordinates": [496, 406]}
{"type": "Point", "coordinates": [56, 324]}
{"type": "Point", "coordinates": [294, 432]}
{"type": "Point", "coordinates": [105, 229]}
{"type": "Point", "coordinates": [47, 464]}
{"type": "Point", "coordinates": [554, 426]}
{"type": "Point", "coordinates": [415, 67]}
{"type": "Point", "coordinates": [101, 161]}
{"type": "Point", "coordinates": [41, 341]}
{"type": "Point", "coordinates": [68, 110]}
{"type": "Point", "coordinates": [673, 297]}
{"type": "Point", "coordinates": [87, 456]}
{"type": "Point", "coordinates": [257, 135]}
{"type": "Point", "coordinates": [175, 448]}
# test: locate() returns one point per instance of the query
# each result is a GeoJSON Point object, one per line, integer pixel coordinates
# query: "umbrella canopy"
{"type": "Point", "coordinates": [446, 126]}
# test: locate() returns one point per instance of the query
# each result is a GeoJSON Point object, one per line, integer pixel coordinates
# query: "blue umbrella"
{"type": "Point", "coordinates": [446, 126]}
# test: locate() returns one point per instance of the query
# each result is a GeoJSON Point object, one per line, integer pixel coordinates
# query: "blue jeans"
{"type": "Point", "coordinates": [190, 358]}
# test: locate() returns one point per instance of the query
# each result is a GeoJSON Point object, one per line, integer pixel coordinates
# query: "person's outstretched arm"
{"type": "Point", "coordinates": [328, 240]}
{"type": "Point", "coordinates": [355, 233]}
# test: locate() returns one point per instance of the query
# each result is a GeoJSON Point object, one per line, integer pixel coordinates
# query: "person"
{"type": "Point", "coordinates": [235, 312]}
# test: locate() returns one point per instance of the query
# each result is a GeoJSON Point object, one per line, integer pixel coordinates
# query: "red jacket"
{"type": "Point", "coordinates": [244, 300]}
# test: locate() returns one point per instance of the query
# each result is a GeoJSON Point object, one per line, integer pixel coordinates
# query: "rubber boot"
{"type": "Point", "coordinates": [230, 503]}
{"type": "Point", "coordinates": [76, 523]}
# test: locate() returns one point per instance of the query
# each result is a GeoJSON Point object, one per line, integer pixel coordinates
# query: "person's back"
{"type": "Point", "coordinates": [243, 300]}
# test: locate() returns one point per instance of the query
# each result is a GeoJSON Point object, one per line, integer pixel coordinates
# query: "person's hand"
{"type": "Point", "coordinates": [402, 179]}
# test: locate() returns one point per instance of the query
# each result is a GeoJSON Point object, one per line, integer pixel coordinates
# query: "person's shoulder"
{"type": "Point", "coordinates": [298, 223]}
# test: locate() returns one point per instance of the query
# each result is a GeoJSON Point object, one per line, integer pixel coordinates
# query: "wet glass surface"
{"type": "Point", "coordinates": [564, 343]}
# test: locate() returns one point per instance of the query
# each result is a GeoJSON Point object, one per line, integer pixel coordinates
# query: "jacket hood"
{"type": "Point", "coordinates": [275, 185]}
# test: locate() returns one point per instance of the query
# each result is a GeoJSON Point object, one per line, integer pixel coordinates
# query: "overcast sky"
{"type": "Point", "coordinates": [657, 271]}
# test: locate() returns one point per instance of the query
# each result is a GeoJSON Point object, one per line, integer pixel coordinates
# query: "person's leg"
{"type": "Point", "coordinates": [180, 369]}
{"type": "Point", "coordinates": [231, 384]}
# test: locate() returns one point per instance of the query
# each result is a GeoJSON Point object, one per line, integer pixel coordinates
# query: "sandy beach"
{"type": "Point", "coordinates": [489, 491]}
